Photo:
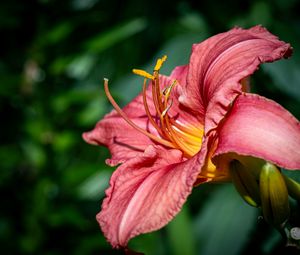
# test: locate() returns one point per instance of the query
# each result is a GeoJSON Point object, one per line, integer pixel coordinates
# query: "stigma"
{"type": "Point", "coordinates": [171, 133]}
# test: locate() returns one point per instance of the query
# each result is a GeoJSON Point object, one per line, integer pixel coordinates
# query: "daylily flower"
{"type": "Point", "coordinates": [187, 128]}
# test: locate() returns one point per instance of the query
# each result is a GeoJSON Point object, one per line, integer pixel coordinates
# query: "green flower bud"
{"type": "Point", "coordinates": [274, 196]}
{"type": "Point", "coordinates": [245, 183]}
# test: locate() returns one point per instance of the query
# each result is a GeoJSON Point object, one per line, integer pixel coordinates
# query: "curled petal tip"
{"type": "Point", "coordinates": [88, 137]}
{"type": "Point", "coordinates": [218, 64]}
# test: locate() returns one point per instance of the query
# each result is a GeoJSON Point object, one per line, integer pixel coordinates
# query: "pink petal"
{"type": "Point", "coordinates": [218, 64]}
{"type": "Point", "coordinates": [124, 141]}
{"type": "Point", "coordinates": [180, 74]}
{"type": "Point", "coordinates": [182, 114]}
{"type": "Point", "coordinates": [146, 192]}
{"type": "Point", "coordinates": [260, 127]}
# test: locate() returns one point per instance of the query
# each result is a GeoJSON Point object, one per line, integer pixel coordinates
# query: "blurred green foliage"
{"type": "Point", "coordinates": [54, 55]}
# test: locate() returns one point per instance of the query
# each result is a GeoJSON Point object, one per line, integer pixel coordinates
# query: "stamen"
{"type": "Point", "coordinates": [167, 90]}
{"type": "Point", "coordinates": [194, 146]}
{"type": "Point", "coordinates": [156, 97]}
{"type": "Point", "coordinates": [181, 144]}
{"type": "Point", "coordinates": [166, 93]}
{"type": "Point", "coordinates": [158, 92]}
{"type": "Point", "coordinates": [187, 130]}
{"type": "Point", "coordinates": [188, 138]}
{"type": "Point", "coordinates": [143, 73]}
{"type": "Point", "coordinates": [158, 106]}
{"type": "Point", "coordinates": [172, 133]}
{"type": "Point", "coordinates": [167, 109]}
{"type": "Point", "coordinates": [147, 108]}
{"type": "Point", "coordinates": [124, 116]}
{"type": "Point", "coordinates": [159, 63]}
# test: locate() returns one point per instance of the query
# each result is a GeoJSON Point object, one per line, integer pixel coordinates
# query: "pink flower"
{"type": "Point", "coordinates": [184, 129]}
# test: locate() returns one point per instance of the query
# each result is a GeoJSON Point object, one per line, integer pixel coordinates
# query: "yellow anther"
{"type": "Point", "coordinates": [159, 63]}
{"type": "Point", "coordinates": [143, 73]}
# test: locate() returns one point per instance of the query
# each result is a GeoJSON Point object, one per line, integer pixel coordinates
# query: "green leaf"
{"type": "Point", "coordinates": [64, 140]}
{"type": "Point", "coordinates": [272, 240]}
{"type": "Point", "coordinates": [294, 174]}
{"type": "Point", "coordinates": [181, 238]}
{"type": "Point", "coordinates": [62, 102]}
{"type": "Point", "coordinates": [92, 112]}
{"type": "Point", "coordinates": [178, 50]}
{"type": "Point", "coordinates": [58, 33]}
{"type": "Point", "coordinates": [194, 22]}
{"type": "Point", "coordinates": [224, 224]}
{"type": "Point", "coordinates": [286, 76]}
{"type": "Point", "coordinates": [81, 66]}
{"type": "Point", "coordinates": [34, 153]}
{"type": "Point", "coordinates": [114, 35]}
{"type": "Point", "coordinates": [260, 14]}
{"type": "Point", "coordinates": [150, 243]}
{"type": "Point", "coordinates": [93, 187]}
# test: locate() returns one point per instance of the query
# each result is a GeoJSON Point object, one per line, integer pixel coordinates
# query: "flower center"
{"type": "Point", "coordinates": [171, 132]}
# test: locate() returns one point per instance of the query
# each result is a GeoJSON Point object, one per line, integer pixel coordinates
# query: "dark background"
{"type": "Point", "coordinates": [54, 55]}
